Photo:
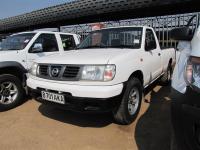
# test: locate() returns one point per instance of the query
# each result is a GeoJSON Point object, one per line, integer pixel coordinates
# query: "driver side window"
{"type": "Point", "coordinates": [44, 43]}
{"type": "Point", "coordinates": [150, 42]}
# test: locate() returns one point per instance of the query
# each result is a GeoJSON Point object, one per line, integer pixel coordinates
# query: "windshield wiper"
{"type": "Point", "coordinates": [95, 46]}
{"type": "Point", "coordinates": [102, 46]}
{"type": "Point", "coordinates": [122, 46]}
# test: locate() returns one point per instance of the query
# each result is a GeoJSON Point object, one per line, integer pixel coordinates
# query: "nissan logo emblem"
{"type": "Point", "coordinates": [55, 72]}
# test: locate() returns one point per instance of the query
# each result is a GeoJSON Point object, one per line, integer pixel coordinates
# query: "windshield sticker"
{"type": "Point", "coordinates": [136, 41]}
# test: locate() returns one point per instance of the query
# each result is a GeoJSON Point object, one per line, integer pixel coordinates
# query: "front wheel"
{"type": "Point", "coordinates": [11, 92]}
{"type": "Point", "coordinates": [130, 105]}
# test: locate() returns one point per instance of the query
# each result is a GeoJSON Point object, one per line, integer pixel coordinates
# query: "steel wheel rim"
{"type": "Point", "coordinates": [133, 101]}
{"type": "Point", "coordinates": [8, 93]}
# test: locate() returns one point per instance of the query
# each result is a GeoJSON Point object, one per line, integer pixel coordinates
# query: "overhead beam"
{"type": "Point", "coordinates": [89, 11]}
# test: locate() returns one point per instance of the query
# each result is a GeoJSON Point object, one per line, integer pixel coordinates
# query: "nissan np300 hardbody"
{"type": "Point", "coordinates": [108, 71]}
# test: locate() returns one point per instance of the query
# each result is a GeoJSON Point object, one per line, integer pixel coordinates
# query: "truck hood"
{"type": "Point", "coordinates": [86, 56]}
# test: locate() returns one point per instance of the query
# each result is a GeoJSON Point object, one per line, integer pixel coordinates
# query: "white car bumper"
{"type": "Point", "coordinates": [78, 90]}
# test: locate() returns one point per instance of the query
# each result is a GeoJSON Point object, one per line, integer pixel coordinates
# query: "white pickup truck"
{"type": "Point", "coordinates": [18, 52]}
{"type": "Point", "coordinates": [108, 71]}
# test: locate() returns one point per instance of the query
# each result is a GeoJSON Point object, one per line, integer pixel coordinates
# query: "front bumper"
{"type": "Point", "coordinates": [86, 91]}
{"type": "Point", "coordinates": [79, 104]}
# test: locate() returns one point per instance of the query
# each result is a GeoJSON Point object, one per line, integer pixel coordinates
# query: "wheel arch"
{"type": "Point", "coordinates": [13, 68]}
{"type": "Point", "coordinates": [139, 75]}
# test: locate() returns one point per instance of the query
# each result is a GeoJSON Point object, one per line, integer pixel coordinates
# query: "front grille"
{"type": "Point", "coordinates": [64, 72]}
{"type": "Point", "coordinates": [51, 68]}
{"type": "Point", "coordinates": [71, 72]}
{"type": "Point", "coordinates": [43, 70]}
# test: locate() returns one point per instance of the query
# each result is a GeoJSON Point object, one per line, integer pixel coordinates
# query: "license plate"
{"type": "Point", "coordinates": [52, 97]}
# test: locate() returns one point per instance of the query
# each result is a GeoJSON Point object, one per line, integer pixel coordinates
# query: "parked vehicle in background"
{"type": "Point", "coordinates": [107, 72]}
{"type": "Point", "coordinates": [186, 89]}
{"type": "Point", "coordinates": [17, 54]}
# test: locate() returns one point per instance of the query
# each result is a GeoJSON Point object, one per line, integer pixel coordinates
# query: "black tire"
{"type": "Point", "coordinates": [21, 92]}
{"type": "Point", "coordinates": [121, 113]}
{"type": "Point", "coordinates": [166, 78]}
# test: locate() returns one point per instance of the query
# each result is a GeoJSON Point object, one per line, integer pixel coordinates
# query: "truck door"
{"type": "Point", "coordinates": [46, 44]}
{"type": "Point", "coordinates": [153, 53]}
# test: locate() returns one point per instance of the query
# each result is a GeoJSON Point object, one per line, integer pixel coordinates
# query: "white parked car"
{"type": "Point", "coordinates": [18, 52]}
{"type": "Point", "coordinates": [108, 71]}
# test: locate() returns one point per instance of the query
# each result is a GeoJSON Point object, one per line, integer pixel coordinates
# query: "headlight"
{"type": "Point", "coordinates": [98, 72]}
{"type": "Point", "coordinates": [34, 69]}
{"type": "Point", "coordinates": [192, 73]}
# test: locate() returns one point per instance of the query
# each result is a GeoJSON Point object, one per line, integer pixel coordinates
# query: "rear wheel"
{"type": "Point", "coordinates": [166, 78]}
{"type": "Point", "coordinates": [11, 92]}
{"type": "Point", "coordinates": [130, 105]}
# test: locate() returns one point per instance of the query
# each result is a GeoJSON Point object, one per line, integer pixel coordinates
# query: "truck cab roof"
{"type": "Point", "coordinates": [126, 27]}
{"type": "Point", "coordinates": [47, 32]}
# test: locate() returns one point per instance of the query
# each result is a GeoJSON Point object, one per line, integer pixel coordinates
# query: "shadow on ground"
{"type": "Point", "coordinates": [153, 129]}
{"type": "Point", "coordinates": [75, 118]}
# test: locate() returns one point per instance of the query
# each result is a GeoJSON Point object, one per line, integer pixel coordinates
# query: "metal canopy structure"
{"type": "Point", "coordinates": [161, 24]}
{"type": "Point", "coordinates": [88, 11]}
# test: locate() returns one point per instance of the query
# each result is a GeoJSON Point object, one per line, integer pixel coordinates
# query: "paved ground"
{"type": "Point", "coordinates": [34, 126]}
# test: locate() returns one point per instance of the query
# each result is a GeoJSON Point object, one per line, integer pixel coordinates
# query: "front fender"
{"type": "Point", "coordinates": [7, 64]}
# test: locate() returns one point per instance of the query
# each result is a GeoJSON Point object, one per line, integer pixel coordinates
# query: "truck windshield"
{"type": "Point", "coordinates": [16, 42]}
{"type": "Point", "coordinates": [124, 37]}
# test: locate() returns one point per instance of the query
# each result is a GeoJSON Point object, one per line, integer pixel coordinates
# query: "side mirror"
{"type": "Point", "coordinates": [37, 48]}
{"type": "Point", "coordinates": [77, 45]}
{"type": "Point", "coordinates": [181, 34]}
